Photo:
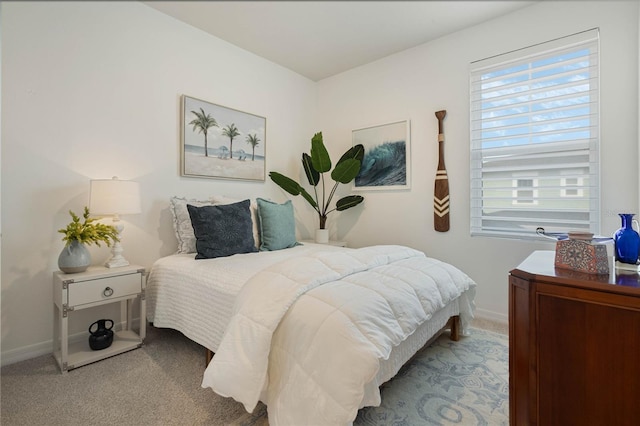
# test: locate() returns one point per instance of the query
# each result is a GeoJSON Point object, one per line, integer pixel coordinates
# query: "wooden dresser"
{"type": "Point", "coordinates": [574, 345]}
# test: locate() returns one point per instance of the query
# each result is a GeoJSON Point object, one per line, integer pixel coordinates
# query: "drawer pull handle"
{"type": "Point", "coordinates": [107, 292]}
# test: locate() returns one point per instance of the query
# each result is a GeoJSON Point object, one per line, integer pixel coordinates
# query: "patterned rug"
{"type": "Point", "coordinates": [448, 383]}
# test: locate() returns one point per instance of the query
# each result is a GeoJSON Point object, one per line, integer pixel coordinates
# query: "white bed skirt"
{"type": "Point", "coordinates": [407, 349]}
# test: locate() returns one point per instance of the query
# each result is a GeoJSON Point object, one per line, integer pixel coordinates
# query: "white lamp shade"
{"type": "Point", "coordinates": [114, 197]}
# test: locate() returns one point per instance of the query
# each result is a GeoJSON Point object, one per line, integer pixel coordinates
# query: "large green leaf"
{"type": "Point", "coordinates": [356, 152]}
{"type": "Point", "coordinates": [319, 154]}
{"type": "Point", "coordinates": [288, 184]}
{"type": "Point", "coordinates": [292, 187]}
{"type": "Point", "coordinates": [312, 174]}
{"type": "Point", "coordinates": [309, 198]}
{"type": "Point", "coordinates": [346, 171]}
{"type": "Point", "coordinates": [348, 202]}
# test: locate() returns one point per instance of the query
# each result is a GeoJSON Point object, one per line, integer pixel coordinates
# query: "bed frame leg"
{"type": "Point", "coordinates": [454, 324]}
{"type": "Point", "coordinates": [209, 356]}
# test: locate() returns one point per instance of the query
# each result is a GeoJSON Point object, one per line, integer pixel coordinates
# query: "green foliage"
{"type": "Point", "coordinates": [231, 131]}
{"type": "Point", "coordinates": [254, 141]}
{"type": "Point", "coordinates": [315, 166]}
{"type": "Point", "coordinates": [89, 231]}
{"type": "Point", "coordinates": [202, 123]}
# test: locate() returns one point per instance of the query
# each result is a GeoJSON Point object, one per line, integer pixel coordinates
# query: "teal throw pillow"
{"type": "Point", "coordinates": [277, 225]}
{"type": "Point", "coordinates": [222, 230]}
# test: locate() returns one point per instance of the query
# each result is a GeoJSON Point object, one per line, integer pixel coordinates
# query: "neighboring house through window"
{"type": "Point", "coordinates": [572, 187]}
{"type": "Point", "coordinates": [535, 156]}
{"type": "Point", "coordinates": [525, 191]}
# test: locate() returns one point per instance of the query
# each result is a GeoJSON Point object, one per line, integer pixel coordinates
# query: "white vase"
{"type": "Point", "coordinates": [322, 236]}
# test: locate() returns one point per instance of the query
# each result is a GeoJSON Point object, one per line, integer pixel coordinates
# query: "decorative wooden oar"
{"type": "Point", "coordinates": [441, 190]}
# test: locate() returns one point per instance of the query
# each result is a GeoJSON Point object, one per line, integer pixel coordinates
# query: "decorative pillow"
{"type": "Point", "coordinates": [277, 225]}
{"type": "Point", "coordinates": [221, 199]}
{"type": "Point", "coordinates": [222, 230]}
{"type": "Point", "coordinates": [182, 222]}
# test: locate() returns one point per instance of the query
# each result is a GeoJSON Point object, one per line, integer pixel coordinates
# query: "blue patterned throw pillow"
{"type": "Point", "coordinates": [277, 225]}
{"type": "Point", "coordinates": [222, 230]}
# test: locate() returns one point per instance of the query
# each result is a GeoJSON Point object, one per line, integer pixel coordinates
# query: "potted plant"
{"type": "Point", "coordinates": [315, 166]}
{"type": "Point", "coordinates": [74, 256]}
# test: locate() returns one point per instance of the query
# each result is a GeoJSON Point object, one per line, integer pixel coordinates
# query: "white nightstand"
{"type": "Point", "coordinates": [94, 287]}
{"type": "Point", "coordinates": [331, 243]}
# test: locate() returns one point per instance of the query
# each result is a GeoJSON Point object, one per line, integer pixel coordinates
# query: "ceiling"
{"type": "Point", "coordinates": [318, 39]}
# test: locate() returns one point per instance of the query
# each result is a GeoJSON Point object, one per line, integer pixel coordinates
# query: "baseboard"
{"type": "Point", "coordinates": [491, 316]}
{"type": "Point", "coordinates": [43, 348]}
{"type": "Point", "coordinates": [25, 352]}
{"type": "Point", "coordinates": [38, 349]}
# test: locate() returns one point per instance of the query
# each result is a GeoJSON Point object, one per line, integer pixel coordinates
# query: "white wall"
{"type": "Point", "coordinates": [92, 90]}
{"type": "Point", "coordinates": [417, 82]}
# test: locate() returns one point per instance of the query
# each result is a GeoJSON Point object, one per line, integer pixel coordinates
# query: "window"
{"type": "Point", "coordinates": [535, 139]}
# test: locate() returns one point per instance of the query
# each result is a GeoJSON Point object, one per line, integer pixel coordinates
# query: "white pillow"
{"type": "Point", "coordinates": [221, 199]}
{"type": "Point", "coordinates": [182, 222]}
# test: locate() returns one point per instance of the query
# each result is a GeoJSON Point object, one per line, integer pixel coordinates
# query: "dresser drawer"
{"type": "Point", "coordinates": [99, 290]}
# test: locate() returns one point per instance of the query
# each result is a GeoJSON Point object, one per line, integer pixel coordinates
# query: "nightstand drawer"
{"type": "Point", "coordinates": [99, 290]}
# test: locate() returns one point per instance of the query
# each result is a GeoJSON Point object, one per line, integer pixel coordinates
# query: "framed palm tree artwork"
{"type": "Point", "coordinates": [220, 142]}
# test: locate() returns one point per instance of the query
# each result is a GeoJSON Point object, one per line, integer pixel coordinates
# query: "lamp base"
{"type": "Point", "coordinates": [116, 263]}
{"type": "Point", "coordinates": [117, 260]}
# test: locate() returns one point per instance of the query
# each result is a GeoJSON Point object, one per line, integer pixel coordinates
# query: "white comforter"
{"type": "Point", "coordinates": [196, 297]}
{"type": "Point", "coordinates": [308, 334]}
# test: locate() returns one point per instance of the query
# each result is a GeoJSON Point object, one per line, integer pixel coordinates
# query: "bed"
{"type": "Point", "coordinates": [311, 330]}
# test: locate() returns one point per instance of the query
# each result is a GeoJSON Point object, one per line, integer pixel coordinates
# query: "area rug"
{"type": "Point", "coordinates": [448, 383]}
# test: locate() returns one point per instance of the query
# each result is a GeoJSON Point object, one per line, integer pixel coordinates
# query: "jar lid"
{"type": "Point", "coordinates": [578, 235]}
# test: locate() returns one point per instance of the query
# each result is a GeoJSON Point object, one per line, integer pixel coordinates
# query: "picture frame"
{"type": "Point", "coordinates": [387, 157]}
{"type": "Point", "coordinates": [235, 142]}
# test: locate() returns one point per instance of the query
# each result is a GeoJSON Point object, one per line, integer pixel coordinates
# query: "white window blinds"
{"type": "Point", "coordinates": [535, 139]}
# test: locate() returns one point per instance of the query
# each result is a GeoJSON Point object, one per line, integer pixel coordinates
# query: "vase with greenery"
{"type": "Point", "coordinates": [315, 166]}
{"type": "Point", "coordinates": [77, 235]}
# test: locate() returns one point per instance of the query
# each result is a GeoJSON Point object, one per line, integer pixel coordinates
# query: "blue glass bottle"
{"type": "Point", "coordinates": [627, 240]}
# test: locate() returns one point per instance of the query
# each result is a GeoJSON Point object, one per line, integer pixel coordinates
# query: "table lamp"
{"type": "Point", "coordinates": [115, 197]}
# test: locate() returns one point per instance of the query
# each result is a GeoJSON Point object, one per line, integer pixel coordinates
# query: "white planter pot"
{"type": "Point", "coordinates": [322, 236]}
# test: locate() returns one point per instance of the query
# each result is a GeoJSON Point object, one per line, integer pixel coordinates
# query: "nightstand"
{"type": "Point", "coordinates": [94, 287]}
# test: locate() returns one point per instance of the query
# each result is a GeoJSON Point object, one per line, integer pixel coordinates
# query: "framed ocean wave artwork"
{"type": "Point", "coordinates": [220, 142]}
{"type": "Point", "coordinates": [387, 156]}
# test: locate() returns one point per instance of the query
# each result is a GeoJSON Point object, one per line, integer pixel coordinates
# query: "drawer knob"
{"type": "Point", "coordinates": [107, 292]}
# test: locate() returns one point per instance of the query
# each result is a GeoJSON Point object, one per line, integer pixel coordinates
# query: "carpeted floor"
{"type": "Point", "coordinates": [463, 382]}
